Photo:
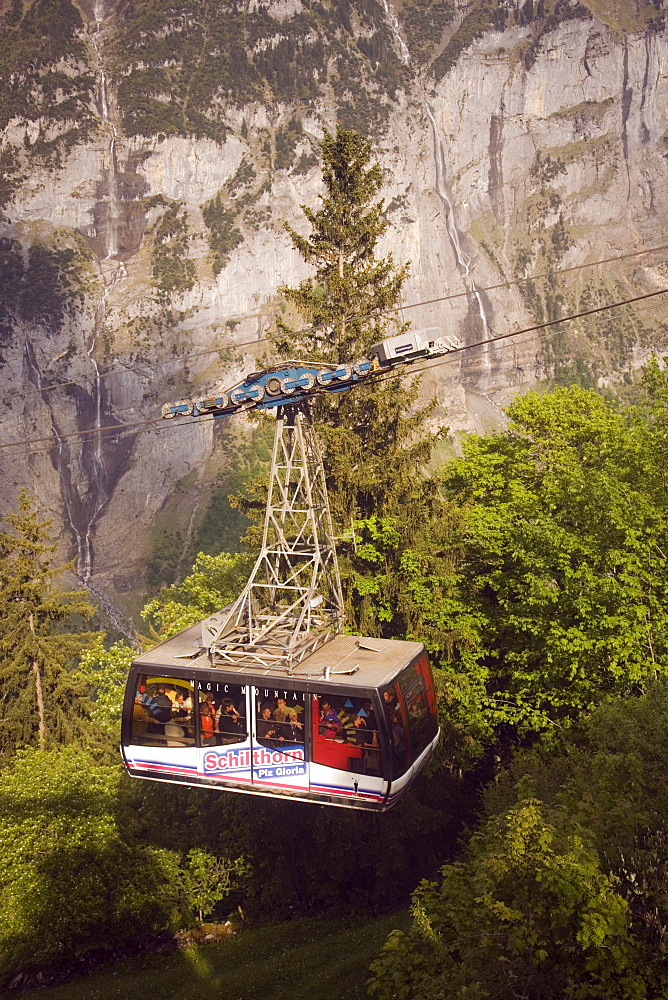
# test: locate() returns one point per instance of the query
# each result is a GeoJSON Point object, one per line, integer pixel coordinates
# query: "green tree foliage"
{"type": "Point", "coordinates": [563, 580]}
{"type": "Point", "coordinates": [45, 80]}
{"type": "Point", "coordinates": [104, 672]}
{"type": "Point", "coordinates": [43, 284]}
{"type": "Point", "coordinates": [527, 913]}
{"type": "Point", "coordinates": [224, 236]}
{"type": "Point", "coordinates": [42, 701]}
{"type": "Point", "coordinates": [179, 82]}
{"type": "Point", "coordinates": [208, 880]}
{"type": "Point", "coordinates": [214, 582]}
{"type": "Point", "coordinates": [74, 874]}
{"type": "Point", "coordinates": [341, 302]}
{"type": "Point", "coordinates": [374, 436]}
{"type": "Point", "coordinates": [563, 891]}
{"type": "Point", "coordinates": [69, 880]}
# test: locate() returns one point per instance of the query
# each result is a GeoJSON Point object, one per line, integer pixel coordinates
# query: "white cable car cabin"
{"type": "Point", "coordinates": [352, 725]}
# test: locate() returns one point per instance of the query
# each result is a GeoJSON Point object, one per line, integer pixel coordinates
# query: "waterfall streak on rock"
{"type": "Point", "coordinates": [112, 180]}
{"type": "Point", "coordinates": [97, 474]}
{"type": "Point", "coordinates": [61, 462]}
{"type": "Point", "coordinates": [394, 26]}
{"type": "Point", "coordinates": [462, 258]}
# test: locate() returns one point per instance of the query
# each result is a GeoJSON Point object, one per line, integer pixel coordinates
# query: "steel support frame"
{"type": "Point", "coordinates": [293, 602]}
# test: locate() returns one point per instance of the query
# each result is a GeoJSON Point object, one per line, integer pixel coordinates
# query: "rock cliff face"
{"type": "Point", "coordinates": [149, 162]}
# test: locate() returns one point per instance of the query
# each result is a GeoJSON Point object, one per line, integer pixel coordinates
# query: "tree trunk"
{"type": "Point", "coordinates": [343, 322]}
{"type": "Point", "coordinates": [34, 663]}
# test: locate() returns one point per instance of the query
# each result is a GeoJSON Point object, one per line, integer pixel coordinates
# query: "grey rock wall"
{"type": "Point", "coordinates": [496, 172]}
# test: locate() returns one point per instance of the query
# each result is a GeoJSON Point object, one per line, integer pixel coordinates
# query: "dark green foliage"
{"type": "Point", "coordinates": [346, 860]}
{"type": "Point", "coordinates": [374, 438]}
{"type": "Point", "coordinates": [244, 175]}
{"type": "Point", "coordinates": [550, 18]}
{"type": "Point", "coordinates": [350, 287]}
{"type": "Point", "coordinates": [563, 582]}
{"type": "Point", "coordinates": [527, 913]}
{"type": "Point", "coordinates": [606, 341]}
{"type": "Point", "coordinates": [286, 139]}
{"type": "Point", "coordinates": [546, 168]}
{"type": "Point", "coordinates": [563, 891]}
{"type": "Point", "coordinates": [176, 62]}
{"type": "Point", "coordinates": [42, 285]}
{"type": "Point", "coordinates": [474, 24]}
{"type": "Point", "coordinates": [173, 271]}
{"type": "Point", "coordinates": [423, 23]}
{"type": "Point", "coordinates": [41, 702]}
{"type": "Point", "coordinates": [305, 162]}
{"type": "Point", "coordinates": [11, 175]}
{"type": "Point", "coordinates": [223, 234]}
{"type": "Point", "coordinates": [38, 43]}
{"type": "Point", "coordinates": [74, 877]}
{"type": "Point", "coordinates": [223, 525]}
{"type": "Point", "coordinates": [69, 883]}
{"type": "Point", "coordinates": [608, 775]}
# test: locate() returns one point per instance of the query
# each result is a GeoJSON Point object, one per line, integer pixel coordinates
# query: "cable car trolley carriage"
{"type": "Point", "coordinates": [267, 696]}
{"type": "Point", "coordinates": [352, 726]}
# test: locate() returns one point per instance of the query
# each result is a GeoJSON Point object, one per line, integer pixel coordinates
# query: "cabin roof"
{"type": "Point", "coordinates": [377, 660]}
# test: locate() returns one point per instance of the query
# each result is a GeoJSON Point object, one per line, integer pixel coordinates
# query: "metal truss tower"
{"type": "Point", "coordinates": [292, 602]}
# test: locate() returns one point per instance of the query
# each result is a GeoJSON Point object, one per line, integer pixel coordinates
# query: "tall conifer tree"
{"type": "Point", "coordinates": [376, 443]}
{"type": "Point", "coordinates": [40, 702]}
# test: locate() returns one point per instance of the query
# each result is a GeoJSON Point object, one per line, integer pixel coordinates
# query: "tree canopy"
{"type": "Point", "coordinates": [562, 890]}
{"type": "Point", "coordinates": [376, 437]}
{"type": "Point", "coordinates": [41, 701]}
{"type": "Point", "coordinates": [560, 594]}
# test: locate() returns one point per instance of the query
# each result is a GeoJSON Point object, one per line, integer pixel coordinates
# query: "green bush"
{"type": "Point", "coordinates": [69, 879]}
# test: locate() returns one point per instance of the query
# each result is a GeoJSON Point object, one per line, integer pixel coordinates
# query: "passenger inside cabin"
{"type": "Point", "coordinates": [159, 707]}
{"type": "Point", "coordinates": [140, 717]}
{"type": "Point", "coordinates": [267, 729]}
{"type": "Point", "coordinates": [207, 720]}
{"type": "Point", "coordinates": [362, 735]}
{"type": "Point", "coordinates": [389, 702]}
{"type": "Point", "coordinates": [329, 723]}
{"type": "Point", "coordinates": [281, 712]}
{"type": "Point", "coordinates": [398, 738]}
{"type": "Point", "coordinates": [179, 711]}
{"type": "Point", "coordinates": [294, 729]}
{"type": "Point", "coordinates": [367, 707]}
{"type": "Point", "coordinates": [228, 719]}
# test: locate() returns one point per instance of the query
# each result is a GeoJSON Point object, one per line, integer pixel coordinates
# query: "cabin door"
{"type": "Point", "coordinates": [224, 733]}
{"type": "Point", "coordinates": [278, 740]}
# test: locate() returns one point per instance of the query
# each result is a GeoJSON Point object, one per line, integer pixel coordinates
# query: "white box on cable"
{"type": "Point", "coordinates": [413, 343]}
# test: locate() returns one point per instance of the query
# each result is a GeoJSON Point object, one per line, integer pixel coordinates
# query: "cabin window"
{"type": "Point", "coordinates": [222, 713]}
{"type": "Point", "coordinates": [162, 713]}
{"type": "Point", "coordinates": [397, 726]}
{"type": "Point", "coordinates": [421, 718]}
{"type": "Point", "coordinates": [345, 733]}
{"type": "Point", "coordinates": [279, 717]}
{"type": "Point", "coordinates": [410, 709]}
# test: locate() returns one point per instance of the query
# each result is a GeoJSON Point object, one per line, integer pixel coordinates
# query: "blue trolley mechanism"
{"type": "Point", "coordinates": [268, 696]}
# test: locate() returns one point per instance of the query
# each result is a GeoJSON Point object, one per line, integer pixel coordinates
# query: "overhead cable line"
{"type": "Point", "coordinates": [54, 439]}
{"type": "Point", "coordinates": [160, 424]}
{"type": "Point", "coordinates": [535, 277]}
{"type": "Point", "coordinates": [381, 312]}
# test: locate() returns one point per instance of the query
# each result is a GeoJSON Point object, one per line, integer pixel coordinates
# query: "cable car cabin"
{"type": "Point", "coordinates": [352, 726]}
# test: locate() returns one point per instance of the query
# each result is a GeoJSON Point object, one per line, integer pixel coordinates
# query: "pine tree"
{"type": "Point", "coordinates": [375, 442]}
{"type": "Point", "coordinates": [41, 704]}
{"type": "Point", "coordinates": [351, 287]}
